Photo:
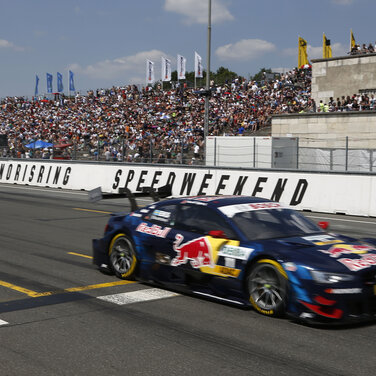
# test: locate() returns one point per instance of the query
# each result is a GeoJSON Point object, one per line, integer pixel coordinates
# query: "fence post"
{"type": "Point", "coordinates": [151, 151]}
{"type": "Point", "coordinates": [254, 152]}
{"type": "Point", "coordinates": [181, 150]}
{"type": "Point", "coordinates": [75, 150]}
{"type": "Point", "coordinates": [123, 150]}
{"type": "Point", "coordinates": [331, 160]}
{"type": "Point", "coordinates": [347, 153]}
{"type": "Point", "coordinates": [371, 160]}
{"type": "Point", "coordinates": [215, 151]}
{"type": "Point", "coordinates": [98, 148]}
{"type": "Point", "coordinates": [297, 153]}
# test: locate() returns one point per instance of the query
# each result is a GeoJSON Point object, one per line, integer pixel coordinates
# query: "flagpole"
{"type": "Point", "coordinates": [206, 121]}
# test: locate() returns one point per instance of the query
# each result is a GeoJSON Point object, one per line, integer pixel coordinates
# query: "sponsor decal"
{"type": "Point", "coordinates": [338, 250]}
{"type": "Point", "coordinates": [231, 210]}
{"type": "Point", "coordinates": [345, 291]}
{"type": "Point", "coordinates": [153, 230]}
{"type": "Point", "coordinates": [160, 215]}
{"type": "Point", "coordinates": [194, 202]}
{"type": "Point", "coordinates": [35, 173]}
{"type": "Point", "coordinates": [198, 183]}
{"type": "Point", "coordinates": [136, 215]}
{"type": "Point", "coordinates": [322, 239]}
{"type": "Point", "coordinates": [290, 267]}
{"type": "Point", "coordinates": [240, 253]}
{"type": "Point", "coordinates": [355, 265]}
{"type": "Point", "coordinates": [226, 271]}
{"type": "Point", "coordinates": [196, 251]}
{"type": "Point", "coordinates": [306, 315]}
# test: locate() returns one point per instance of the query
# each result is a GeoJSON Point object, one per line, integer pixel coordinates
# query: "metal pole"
{"type": "Point", "coordinates": [215, 151]}
{"type": "Point", "coordinates": [347, 153]}
{"type": "Point", "coordinates": [297, 153]}
{"type": "Point", "coordinates": [254, 152]}
{"type": "Point", "coordinates": [206, 124]}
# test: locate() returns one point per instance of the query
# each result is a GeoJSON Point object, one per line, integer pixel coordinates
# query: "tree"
{"type": "Point", "coordinates": [260, 75]}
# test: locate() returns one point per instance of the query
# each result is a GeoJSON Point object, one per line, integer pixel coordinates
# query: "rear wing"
{"type": "Point", "coordinates": [96, 194]}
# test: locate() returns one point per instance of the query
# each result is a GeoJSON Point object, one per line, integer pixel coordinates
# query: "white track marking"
{"type": "Point", "coordinates": [339, 219]}
{"type": "Point", "coordinates": [138, 296]}
{"type": "Point", "coordinates": [2, 322]}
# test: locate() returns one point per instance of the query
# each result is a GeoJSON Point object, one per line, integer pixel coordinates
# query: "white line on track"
{"type": "Point", "coordinates": [138, 296]}
{"type": "Point", "coordinates": [2, 322]}
{"type": "Point", "coordinates": [340, 219]}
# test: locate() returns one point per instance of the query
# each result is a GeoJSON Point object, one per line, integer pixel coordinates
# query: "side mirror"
{"type": "Point", "coordinates": [217, 234]}
{"type": "Point", "coordinates": [324, 225]}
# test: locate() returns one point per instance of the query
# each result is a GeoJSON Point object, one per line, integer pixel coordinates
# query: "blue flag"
{"type": "Point", "coordinates": [36, 85]}
{"type": "Point", "coordinates": [60, 86]}
{"type": "Point", "coordinates": [71, 81]}
{"type": "Point", "coordinates": [49, 83]}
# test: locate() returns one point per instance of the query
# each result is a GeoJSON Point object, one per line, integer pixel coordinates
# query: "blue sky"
{"type": "Point", "coordinates": [107, 43]}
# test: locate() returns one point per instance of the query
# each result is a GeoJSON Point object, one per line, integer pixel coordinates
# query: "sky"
{"type": "Point", "coordinates": [107, 42]}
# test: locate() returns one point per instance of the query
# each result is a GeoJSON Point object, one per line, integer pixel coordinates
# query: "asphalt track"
{"type": "Point", "coordinates": [60, 316]}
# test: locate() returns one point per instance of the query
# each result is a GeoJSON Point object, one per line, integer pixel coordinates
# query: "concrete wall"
{"type": "Point", "coordinates": [328, 130]}
{"type": "Point", "coordinates": [342, 76]}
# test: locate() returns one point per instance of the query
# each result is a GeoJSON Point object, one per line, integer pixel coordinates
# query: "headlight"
{"type": "Point", "coordinates": [327, 277]}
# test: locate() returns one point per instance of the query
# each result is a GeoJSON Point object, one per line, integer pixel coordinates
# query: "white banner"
{"type": "Point", "coordinates": [182, 61]}
{"type": "Point", "coordinates": [166, 69]}
{"type": "Point", "coordinates": [149, 72]}
{"type": "Point", "coordinates": [198, 66]}
{"type": "Point", "coordinates": [321, 192]}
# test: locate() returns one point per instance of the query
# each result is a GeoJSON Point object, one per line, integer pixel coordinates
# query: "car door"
{"type": "Point", "coordinates": [200, 233]}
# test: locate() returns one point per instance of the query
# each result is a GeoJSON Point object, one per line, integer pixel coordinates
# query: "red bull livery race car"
{"type": "Point", "coordinates": [247, 251]}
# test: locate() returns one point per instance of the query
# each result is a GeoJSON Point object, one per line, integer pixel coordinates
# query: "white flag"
{"type": "Point", "coordinates": [181, 67]}
{"type": "Point", "coordinates": [198, 66]}
{"type": "Point", "coordinates": [149, 72]}
{"type": "Point", "coordinates": [166, 69]}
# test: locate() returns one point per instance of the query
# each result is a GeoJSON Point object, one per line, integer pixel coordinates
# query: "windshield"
{"type": "Point", "coordinates": [274, 223]}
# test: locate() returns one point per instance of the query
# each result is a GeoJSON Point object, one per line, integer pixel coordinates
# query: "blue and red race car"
{"type": "Point", "coordinates": [247, 251]}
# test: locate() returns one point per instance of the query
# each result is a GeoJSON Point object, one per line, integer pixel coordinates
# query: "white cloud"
{"type": "Point", "coordinates": [131, 68]}
{"type": "Point", "coordinates": [343, 2]}
{"type": "Point", "coordinates": [196, 11]}
{"type": "Point", "coordinates": [6, 44]}
{"type": "Point", "coordinates": [245, 49]}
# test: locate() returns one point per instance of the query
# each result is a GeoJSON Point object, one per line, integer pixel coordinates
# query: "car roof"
{"type": "Point", "coordinates": [216, 201]}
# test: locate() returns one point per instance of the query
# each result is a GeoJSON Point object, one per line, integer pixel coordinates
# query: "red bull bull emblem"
{"type": "Point", "coordinates": [196, 251]}
{"type": "Point", "coordinates": [340, 249]}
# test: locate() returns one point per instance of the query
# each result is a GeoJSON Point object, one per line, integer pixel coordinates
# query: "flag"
{"type": "Point", "coordinates": [166, 69]}
{"type": "Point", "coordinates": [49, 83]}
{"type": "Point", "coordinates": [182, 61]}
{"type": "Point", "coordinates": [60, 86]}
{"type": "Point", "coordinates": [149, 72]}
{"type": "Point", "coordinates": [36, 85]}
{"type": "Point", "coordinates": [326, 48]}
{"type": "Point", "coordinates": [71, 81]}
{"type": "Point", "coordinates": [302, 57]}
{"type": "Point", "coordinates": [198, 66]}
{"type": "Point", "coordinates": [352, 40]}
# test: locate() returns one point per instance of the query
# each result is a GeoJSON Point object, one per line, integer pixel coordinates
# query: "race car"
{"type": "Point", "coordinates": [246, 251]}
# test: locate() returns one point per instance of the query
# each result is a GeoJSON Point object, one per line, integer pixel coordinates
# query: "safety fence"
{"type": "Point", "coordinates": [296, 153]}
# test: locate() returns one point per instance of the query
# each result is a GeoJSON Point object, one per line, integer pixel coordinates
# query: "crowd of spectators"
{"type": "Point", "coordinates": [356, 102]}
{"type": "Point", "coordinates": [357, 50]}
{"type": "Point", "coordinates": [149, 124]}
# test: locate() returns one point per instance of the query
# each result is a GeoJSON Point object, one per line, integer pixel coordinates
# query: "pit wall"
{"type": "Point", "coordinates": [353, 194]}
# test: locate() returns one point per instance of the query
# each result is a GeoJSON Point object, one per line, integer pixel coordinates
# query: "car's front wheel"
{"type": "Point", "coordinates": [122, 257]}
{"type": "Point", "coordinates": [267, 285]}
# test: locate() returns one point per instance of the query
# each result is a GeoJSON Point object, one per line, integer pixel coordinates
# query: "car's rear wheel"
{"type": "Point", "coordinates": [122, 257]}
{"type": "Point", "coordinates": [267, 284]}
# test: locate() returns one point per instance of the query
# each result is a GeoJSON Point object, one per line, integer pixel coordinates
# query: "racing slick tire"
{"type": "Point", "coordinates": [122, 257]}
{"type": "Point", "coordinates": [267, 284]}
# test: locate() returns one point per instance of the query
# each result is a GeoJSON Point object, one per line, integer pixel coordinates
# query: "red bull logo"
{"type": "Point", "coordinates": [340, 249]}
{"type": "Point", "coordinates": [196, 251]}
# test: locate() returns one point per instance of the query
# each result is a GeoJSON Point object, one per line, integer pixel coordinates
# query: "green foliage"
{"type": "Point", "coordinates": [221, 76]}
{"type": "Point", "coordinates": [260, 75]}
